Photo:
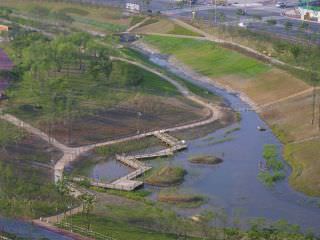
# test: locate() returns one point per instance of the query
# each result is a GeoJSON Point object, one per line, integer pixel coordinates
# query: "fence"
{"type": "Point", "coordinates": [85, 231]}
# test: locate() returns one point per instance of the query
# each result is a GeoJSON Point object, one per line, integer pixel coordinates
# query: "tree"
{"type": "Point", "coordinates": [80, 40]}
{"type": "Point", "coordinates": [125, 75]}
{"type": "Point", "coordinates": [88, 202]}
{"type": "Point", "coordinates": [99, 60]}
{"type": "Point", "coordinates": [295, 51]}
{"type": "Point", "coordinates": [9, 135]}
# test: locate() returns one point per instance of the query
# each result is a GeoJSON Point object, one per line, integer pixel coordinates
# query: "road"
{"type": "Point", "coordinates": [264, 9]}
{"type": "Point", "coordinates": [256, 19]}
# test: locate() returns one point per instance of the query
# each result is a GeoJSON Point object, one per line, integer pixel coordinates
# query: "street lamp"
{"type": "Point", "coordinates": [139, 115]}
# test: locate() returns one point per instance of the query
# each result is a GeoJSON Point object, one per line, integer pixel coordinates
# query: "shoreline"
{"type": "Point", "coordinates": [179, 67]}
{"type": "Point", "coordinates": [144, 47]}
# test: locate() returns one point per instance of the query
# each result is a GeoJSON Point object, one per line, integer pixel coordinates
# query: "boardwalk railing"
{"type": "Point", "coordinates": [126, 182]}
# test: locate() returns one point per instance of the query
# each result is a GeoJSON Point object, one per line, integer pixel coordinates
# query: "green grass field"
{"type": "Point", "coordinates": [120, 230]}
{"type": "Point", "coordinates": [84, 16]}
{"type": "Point", "coordinates": [178, 30]}
{"type": "Point", "coordinates": [207, 58]}
{"type": "Point", "coordinates": [136, 56]}
{"type": "Point", "coordinates": [304, 159]}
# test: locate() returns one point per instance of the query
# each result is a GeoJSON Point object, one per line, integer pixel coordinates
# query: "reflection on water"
{"type": "Point", "coordinates": [28, 230]}
{"type": "Point", "coordinates": [233, 185]}
{"type": "Point", "coordinates": [109, 170]}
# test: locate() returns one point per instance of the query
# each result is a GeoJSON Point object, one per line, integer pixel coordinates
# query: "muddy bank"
{"type": "Point", "coordinates": [145, 115]}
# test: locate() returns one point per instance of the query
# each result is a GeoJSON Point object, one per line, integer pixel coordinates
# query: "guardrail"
{"type": "Point", "coordinates": [84, 231]}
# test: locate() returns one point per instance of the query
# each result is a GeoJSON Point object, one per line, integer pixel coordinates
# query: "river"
{"type": "Point", "coordinates": [28, 230]}
{"type": "Point", "coordinates": [232, 185]}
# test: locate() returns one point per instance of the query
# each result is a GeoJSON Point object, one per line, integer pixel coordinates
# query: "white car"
{"type": "Point", "coordinates": [242, 24]}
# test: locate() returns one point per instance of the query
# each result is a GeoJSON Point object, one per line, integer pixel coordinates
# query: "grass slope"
{"type": "Point", "coordinates": [304, 159]}
{"type": "Point", "coordinates": [85, 16]}
{"type": "Point", "coordinates": [207, 58]}
{"type": "Point", "coordinates": [290, 119]}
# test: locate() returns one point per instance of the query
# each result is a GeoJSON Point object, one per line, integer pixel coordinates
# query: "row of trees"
{"type": "Point", "coordinates": [27, 192]}
{"type": "Point", "coordinates": [57, 76]}
{"type": "Point", "coordinates": [47, 67]}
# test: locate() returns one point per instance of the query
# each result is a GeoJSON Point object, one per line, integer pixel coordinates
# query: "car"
{"type": "Point", "coordinates": [281, 5]}
{"type": "Point", "coordinates": [242, 24]}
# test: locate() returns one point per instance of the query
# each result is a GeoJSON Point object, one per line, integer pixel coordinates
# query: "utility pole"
{"type": "Point", "coordinates": [214, 2]}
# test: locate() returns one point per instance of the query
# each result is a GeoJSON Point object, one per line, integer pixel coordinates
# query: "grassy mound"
{"type": "Point", "coordinates": [205, 159]}
{"type": "Point", "coordinates": [182, 200]}
{"type": "Point", "coordinates": [167, 176]}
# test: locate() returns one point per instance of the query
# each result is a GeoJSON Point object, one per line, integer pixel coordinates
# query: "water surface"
{"type": "Point", "coordinates": [233, 185]}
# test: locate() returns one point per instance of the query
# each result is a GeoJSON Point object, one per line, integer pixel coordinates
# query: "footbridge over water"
{"type": "Point", "coordinates": [128, 182]}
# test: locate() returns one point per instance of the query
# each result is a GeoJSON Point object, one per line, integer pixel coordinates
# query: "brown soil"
{"type": "Point", "coordinates": [267, 87]}
{"type": "Point", "coordinates": [124, 120]}
{"type": "Point", "coordinates": [294, 117]}
{"type": "Point", "coordinates": [162, 26]}
{"type": "Point", "coordinates": [228, 118]}
{"type": "Point", "coordinates": [31, 151]}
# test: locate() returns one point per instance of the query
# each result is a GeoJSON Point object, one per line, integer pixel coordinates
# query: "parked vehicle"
{"type": "Point", "coordinates": [281, 5]}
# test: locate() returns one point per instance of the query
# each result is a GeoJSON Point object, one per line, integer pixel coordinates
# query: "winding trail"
{"type": "Point", "coordinates": [70, 154]}
{"type": "Point", "coordinates": [298, 94]}
{"type": "Point", "coordinates": [138, 24]}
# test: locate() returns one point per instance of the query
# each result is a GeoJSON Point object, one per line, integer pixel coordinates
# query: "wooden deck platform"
{"type": "Point", "coordinates": [127, 183]}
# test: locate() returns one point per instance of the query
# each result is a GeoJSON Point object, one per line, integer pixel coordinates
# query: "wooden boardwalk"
{"type": "Point", "coordinates": [175, 144]}
{"type": "Point", "coordinates": [127, 183]}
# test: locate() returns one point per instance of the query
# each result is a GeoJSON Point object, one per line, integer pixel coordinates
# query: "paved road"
{"type": "Point", "coordinates": [250, 19]}
{"type": "Point", "coordinates": [265, 9]}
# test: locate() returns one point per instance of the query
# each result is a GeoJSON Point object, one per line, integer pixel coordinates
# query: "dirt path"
{"type": "Point", "coordinates": [287, 98]}
{"type": "Point", "coordinates": [137, 25]}
{"type": "Point", "coordinates": [305, 140]}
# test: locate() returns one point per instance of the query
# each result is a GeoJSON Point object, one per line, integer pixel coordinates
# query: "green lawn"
{"type": "Point", "coordinates": [304, 159]}
{"type": "Point", "coordinates": [111, 27]}
{"type": "Point", "coordinates": [207, 58]}
{"type": "Point", "coordinates": [136, 56]}
{"type": "Point", "coordinates": [120, 230]}
{"type": "Point", "coordinates": [178, 30]}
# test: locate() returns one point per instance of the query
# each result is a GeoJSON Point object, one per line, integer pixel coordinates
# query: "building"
{"type": "Point", "coordinates": [310, 10]}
